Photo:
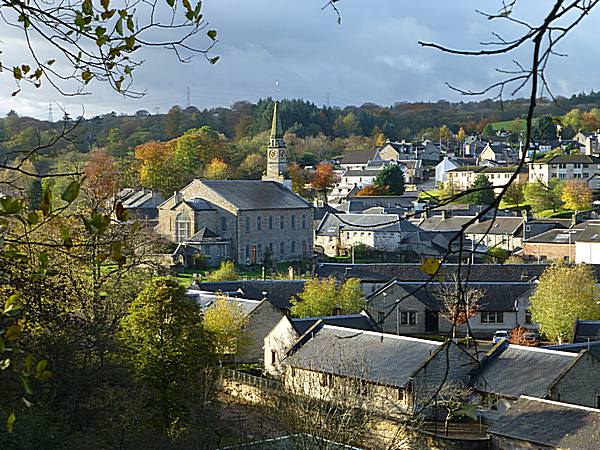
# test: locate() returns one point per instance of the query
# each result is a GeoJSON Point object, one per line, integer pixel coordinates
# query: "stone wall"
{"type": "Point", "coordinates": [381, 303]}
{"type": "Point", "coordinates": [580, 385]}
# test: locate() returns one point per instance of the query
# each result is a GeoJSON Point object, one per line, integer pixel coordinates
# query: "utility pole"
{"type": "Point", "coordinates": [50, 119]}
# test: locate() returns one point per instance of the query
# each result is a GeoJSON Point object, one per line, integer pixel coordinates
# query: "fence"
{"type": "Point", "coordinates": [251, 380]}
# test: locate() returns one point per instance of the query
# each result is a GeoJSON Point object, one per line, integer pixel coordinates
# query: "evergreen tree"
{"type": "Point", "coordinates": [391, 179]}
{"type": "Point", "coordinates": [481, 192]}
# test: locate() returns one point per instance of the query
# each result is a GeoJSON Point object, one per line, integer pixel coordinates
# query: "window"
{"type": "Point", "coordinates": [561, 175]}
{"type": "Point", "coordinates": [182, 227]}
{"type": "Point", "coordinates": [327, 379]}
{"type": "Point", "coordinates": [247, 224]}
{"type": "Point", "coordinates": [363, 387]}
{"type": "Point", "coordinates": [562, 166]}
{"type": "Point", "coordinates": [492, 317]}
{"type": "Point", "coordinates": [293, 247]}
{"type": "Point", "coordinates": [223, 224]}
{"type": "Point", "coordinates": [527, 227]}
{"type": "Point", "coordinates": [293, 222]}
{"type": "Point", "coordinates": [576, 175]}
{"type": "Point", "coordinates": [247, 252]}
{"type": "Point", "coordinates": [586, 174]}
{"type": "Point", "coordinates": [258, 223]}
{"type": "Point", "coordinates": [270, 222]}
{"type": "Point", "coordinates": [380, 317]}
{"type": "Point", "coordinates": [304, 248]}
{"type": "Point", "coordinates": [281, 249]}
{"type": "Point", "coordinates": [259, 252]}
{"type": "Point", "coordinates": [273, 357]}
{"type": "Point", "coordinates": [271, 248]}
{"type": "Point", "coordinates": [303, 221]}
{"type": "Point", "coordinates": [281, 219]}
{"type": "Point", "coordinates": [598, 401]}
{"type": "Point", "coordinates": [408, 317]}
{"type": "Point", "coordinates": [401, 394]}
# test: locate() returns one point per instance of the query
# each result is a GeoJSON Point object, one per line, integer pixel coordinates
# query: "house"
{"type": "Point", "coordinates": [535, 423]}
{"type": "Point", "coordinates": [141, 204]}
{"type": "Point", "coordinates": [392, 374]}
{"type": "Point", "coordinates": [566, 167]}
{"type": "Point", "coordinates": [411, 308]}
{"type": "Point", "coordinates": [586, 331]}
{"type": "Point", "coordinates": [500, 232]}
{"type": "Point", "coordinates": [450, 163]}
{"type": "Point", "coordinates": [413, 170]}
{"type": "Point", "coordinates": [587, 245]}
{"type": "Point", "coordinates": [338, 233]}
{"type": "Point", "coordinates": [358, 159]}
{"type": "Point", "coordinates": [553, 245]}
{"type": "Point", "coordinates": [499, 153]}
{"type": "Point", "coordinates": [473, 146]}
{"type": "Point", "coordinates": [429, 153]}
{"type": "Point", "coordinates": [463, 178]}
{"type": "Point", "coordinates": [508, 371]}
{"type": "Point", "coordinates": [591, 142]}
{"type": "Point", "coordinates": [395, 151]}
{"type": "Point", "coordinates": [389, 204]}
{"type": "Point", "coordinates": [535, 226]}
{"type": "Point", "coordinates": [289, 330]}
{"type": "Point", "coordinates": [366, 175]}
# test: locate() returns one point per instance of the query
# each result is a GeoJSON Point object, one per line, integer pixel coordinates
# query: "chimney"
{"type": "Point", "coordinates": [178, 196]}
{"type": "Point", "coordinates": [444, 214]}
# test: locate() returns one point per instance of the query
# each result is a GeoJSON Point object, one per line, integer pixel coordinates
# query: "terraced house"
{"type": "Point", "coordinates": [462, 178]}
{"type": "Point", "coordinates": [566, 167]}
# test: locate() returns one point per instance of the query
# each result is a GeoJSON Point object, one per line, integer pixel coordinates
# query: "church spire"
{"type": "Point", "coordinates": [276, 129]}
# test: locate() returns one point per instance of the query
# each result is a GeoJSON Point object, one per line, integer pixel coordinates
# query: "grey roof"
{"type": "Point", "coordinates": [252, 194]}
{"type": "Point", "coordinates": [550, 423]}
{"type": "Point", "coordinates": [498, 226]}
{"type": "Point", "coordinates": [593, 347]}
{"type": "Point", "coordinates": [590, 234]}
{"type": "Point", "coordinates": [198, 204]}
{"type": "Point", "coordinates": [356, 321]}
{"type": "Point", "coordinates": [498, 296]}
{"type": "Point", "coordinates": [358, 156]}
{"type": "Point", "coordinates": [144, 198]}
{"type": "Point", "coordinates": [413, 272]}
{"type": "Point", "coordinates": [202, 234]}
{"type": "Point", "coordinates": [512, 370]}
{"type": "Point", "coordinates": [587, 329]}
{"type": "Point", "coordinates": [208, 299]}
{"type": "Point", "coordinates": [364, 222]}
{"type": "Point", "coordinates": [279, 292]}
{"type": "Point", "coordinates": [439, 223]}
{"type": "Point", "coordinates": [556, 236]}
{"type": "Point", "coordinates": [571, 159]}
{"type": "Point", "coordinates": [377, 357]}
{"type": "Point", "coordinates": [367, 172]}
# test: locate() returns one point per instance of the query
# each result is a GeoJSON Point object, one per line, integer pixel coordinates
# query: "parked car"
{"type": "Point", "coordinates": [532, 338]}
{"type": "Point", "coordinates": [499, 335]}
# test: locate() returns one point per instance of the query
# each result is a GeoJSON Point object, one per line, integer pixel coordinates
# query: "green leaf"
{"type": "Point", "coordinates": [171, 3]}
{"type": "Point", "coordinates": [4, 364]}
{"type": "Point", "coordinates": [10, 422]}
{"type": "Point", "coordinates": [130, 43]}
{"type": "Point", "coordinates": [87, 7]}
{"type": "Point", "coordinates": [130, 24]}
{"type": "Point", "coordinates": [100, 31]}
{"type": "Point", "coordinates": [50, 62]}
{"type": "Point", "coordinates": [13, 332]}
{"type": "Point", "coordinates": [26, 384]}
{"type": "Point", "coordinates": [43, 258]}
{"type": "Point", "coordinates": [71, 192]}
{"type": "Point", "coordinates": [86, 76]}
{"type": "Point", "coordinates": [17, 74]}
{"type": "Point", "coordinates": [33, 218]}
{"type": "Point", "coordinates": [105, 3]}
{"type": "Point", "coordinates": [25, 68]}
{"type": "Point", "coordinates": [212, 34]}
{"type": "Point", "coordinates": [11, 303]}
{"type": "Point", "coordinates": [214, 60]}
{"type": "Point", "coordinates": [123, 13]}
{"type": "Point", "coordinates": [66, 236]}
{"type": "Point", "coordinates": [119, 27]}
{"type": "Point", "coordinates": [2, 347]}
{"type": "Point", "coordinates": [41, 365]}
{"type": "Point", "coordinates": [46, 202]}
{"type": "Point", "coordinates": [45, 375]}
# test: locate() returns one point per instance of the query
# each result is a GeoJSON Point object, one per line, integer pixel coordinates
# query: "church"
{"type": "Point", "coordinates": [246, 221]}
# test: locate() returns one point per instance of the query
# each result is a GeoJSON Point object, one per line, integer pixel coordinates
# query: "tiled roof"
{"type": "Point", "coordinates": [590, 234]}
{"type": "Point", "coordinates": [358, 157]}
{"type": "Point", "coordinates": [569, 159]}
{"type": "Point", "coordinates": [364, 222]}
{"type": "Point", "coordinates": [252, 194]}
{"type": "Point", "coordinates": [556, 236]}
{"type": "Point", "coordinates": [512, 370]}
{"type": "Point", "coordinates": [354, 321]}
{"type": "Point", "coordinates": [363, 354]}
{"type": "Point", "coordinates": [550, 424]}
{"type": "Point", "coordinates": [499, 226]}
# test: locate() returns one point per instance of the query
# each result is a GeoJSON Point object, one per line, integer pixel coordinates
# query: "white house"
{"type": "Point", "coordinates": [450, 163]}
{"type": "Point", "coordinates": [587, 245]}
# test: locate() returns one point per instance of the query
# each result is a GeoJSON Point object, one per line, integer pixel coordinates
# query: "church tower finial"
{"type": "Point", "coordinates": [276, 150]}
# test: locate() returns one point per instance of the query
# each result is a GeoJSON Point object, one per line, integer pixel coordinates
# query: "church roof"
{"type": "Point", "coordinates": [276, 128]}
{"type": "Point", "coordinates": [253, 194]}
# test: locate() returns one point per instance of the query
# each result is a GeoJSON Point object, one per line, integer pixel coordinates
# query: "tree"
{"type": "Point", "coordinates": [391, 178]}
{"type": "Point", "coordinates": [226, 321]}
{"type": "Point", "coordinates": [101, 180]}
{"type": "Point", "coordinates": [518, 337]}
{"type": "Point", "coordinates": [253, 167]}
{"type": "Point", "coordinates": [324, 177]}
{"type": "Point", "coordinates": [515, 194]}
{"type": "Point", "coordinates": [323, 297]}
{"type": "Point", "coordinates": [459, 301]}
{"type": "Point", "coordinates": [158, 169]}
{"type": "Point", "coordinates": [576, 195]}
{"type": "Point", "coordinates": [481, 192]}
{"type": "Point", "coordinates": [373, 190]}
{"type": "Point", "coordinates": [454, 397]}
{"type": "Point", "coordinates": [299, 178]}
{"type": "Point", "coordinates": [217, 169]}
{"type": "Point", "coordinates": [542, 197]}
{"type": "Point", "coordinates": [461, 136]}
{"type": "Point", "coordinates": [564, 293]}
{"type": "Point", "coordinates": [225, 272]}
{"type": "Point", "coordinates": [165, 342]}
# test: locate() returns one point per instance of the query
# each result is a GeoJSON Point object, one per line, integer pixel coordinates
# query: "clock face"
{"type": "Point", "coordinates": [282, 153]}
{"type": "Point", "coordinates": [272, 153]}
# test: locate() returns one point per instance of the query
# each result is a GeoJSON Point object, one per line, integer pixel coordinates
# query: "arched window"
{"type": "Point", "coordinates": [182, 227]}
{"type": "Point", "coordinates": [247, 224]}
{"type": "Point", "coordinates": [258, 223]}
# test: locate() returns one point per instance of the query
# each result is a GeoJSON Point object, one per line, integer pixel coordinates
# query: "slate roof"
{"type": "Point", "coordinates": [364, 222]}
{"type": "Point", "coordinates": [358, 156]}
{"type": "Point", "coordinates": [439, 223]}
{"type": "Point", "coordinates": [498, 296]}
{"type": "Point", "coordinates": [590, 234]}
{"type": "Point", "coordinates": [550, 423]}
{"type": "Point", "coordinates": [197, 204]}
{"type": "Point", "coordinates": [253, 194]}
{"type": "Point", "coordinates": [368, 172]}
{"type": "Point", "coordinates": [139, 199]}
{"type": "Point", "coordinates": [513, 370]}
{"type": "Point", "coordinates": [556, 236]}
{"type": "Point", "coordinates": [355, 321]}
{"type": "Point", "coordinates": [202, 234]}
{"type": "Point", "coordinates": [208, 299]}
{"type": "Point", "coordinates": [498, 226]}
{"type": "Point", "coordinates": [587, 329]}
{"type": "Point", "coordinates": [364, 354]}
{"type": "Point", "coordinates": [593, 347]}
{"type": "Point", "coordinates": [569, 159]}
{"type": "Point", "coordinates": [279, 292]}
{"type": "Point", "coordinates": [413, 272]}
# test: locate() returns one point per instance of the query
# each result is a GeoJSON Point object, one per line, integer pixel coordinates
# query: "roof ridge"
{"type": "Point", "coordinates": [557, 403]}
{"type": "Point", "coordinates": [380, 334]}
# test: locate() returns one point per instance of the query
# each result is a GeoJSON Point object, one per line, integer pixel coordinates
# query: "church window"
{"type": "Point", "coordinates": [270, 222]}
{"type": "Point", "coordinates": [304, 248]}
{"type": "Point", "coordinates": [247, 224]}
{"type": "Point", "coordinates": [303, 221]}
{"type": "Point", "coordinates": [182, 227]}
{"type": "Point", "coordinates": [281, 249]}
{"type": "Point", "coordinates": [293, 222]}
{"type": "Point", "coordinates": [293, 246]}
{"type": "Point", "coordinates": [247, 252]}
{"type": "Point", "coordinates": [258, 223]}
{"type": "Point", "coordinates": [223, 224]}
{"type": "Point", "coordinates": [259, 252]}
{"type": "Point", "coordinates": [281, 222]}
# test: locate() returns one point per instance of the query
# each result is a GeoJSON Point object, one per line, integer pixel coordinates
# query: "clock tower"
{"type": "Point", "coordinates": [276, 156]}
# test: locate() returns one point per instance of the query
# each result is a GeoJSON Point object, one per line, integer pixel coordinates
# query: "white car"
{"type": "Point", "coordinates": [499, 335]}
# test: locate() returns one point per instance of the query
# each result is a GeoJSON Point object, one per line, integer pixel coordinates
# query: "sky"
{"type": "Point", "coordinates": [372, 56]}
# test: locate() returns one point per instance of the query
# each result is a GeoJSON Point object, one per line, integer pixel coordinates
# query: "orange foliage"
{"type": "Point", "coordinates": [100, 174]}
{"type": "Point", "coordinates": [324, 176]}
{"type": "Point", "coordinates": [373, 190]}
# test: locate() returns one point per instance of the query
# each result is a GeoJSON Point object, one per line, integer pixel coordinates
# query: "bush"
{"type": "Point", "coordinates": [225, 272]}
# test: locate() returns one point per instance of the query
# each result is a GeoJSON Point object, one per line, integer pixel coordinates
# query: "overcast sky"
{"type": "Point", "coordinates": [373, 56]}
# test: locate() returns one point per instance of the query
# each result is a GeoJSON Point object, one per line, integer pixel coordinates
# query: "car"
{"type": "Point", "coordinates": [499, 335]}
{"type": "Point", "coordinates": [532, 338]}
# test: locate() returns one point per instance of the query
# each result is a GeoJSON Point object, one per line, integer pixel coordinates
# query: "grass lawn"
{"type": "Point", "coordinates": [426, 195]}
{"type": "Point", "coordinates": [548, 213]}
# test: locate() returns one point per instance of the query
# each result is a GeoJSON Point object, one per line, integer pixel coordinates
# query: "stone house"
{"type": "Point", "coordinates": [289, 330]}
{"type": "Point", "coordinates": [499, 153]}
{"type": "Point", "coordinates": [450, 163]}
{"type": "Point", "coordinates": [534, 423]}
{"type": "Point", "coordinates": [553, 245]}
{"type": "Point", "coordinates": [462, 178]}
{"type": "Point", "coordinates": [358, 159]}
{"type": "Point", "coordinates": [409, 308]}
{"type": "Point", "coordinates": [499, 232]}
